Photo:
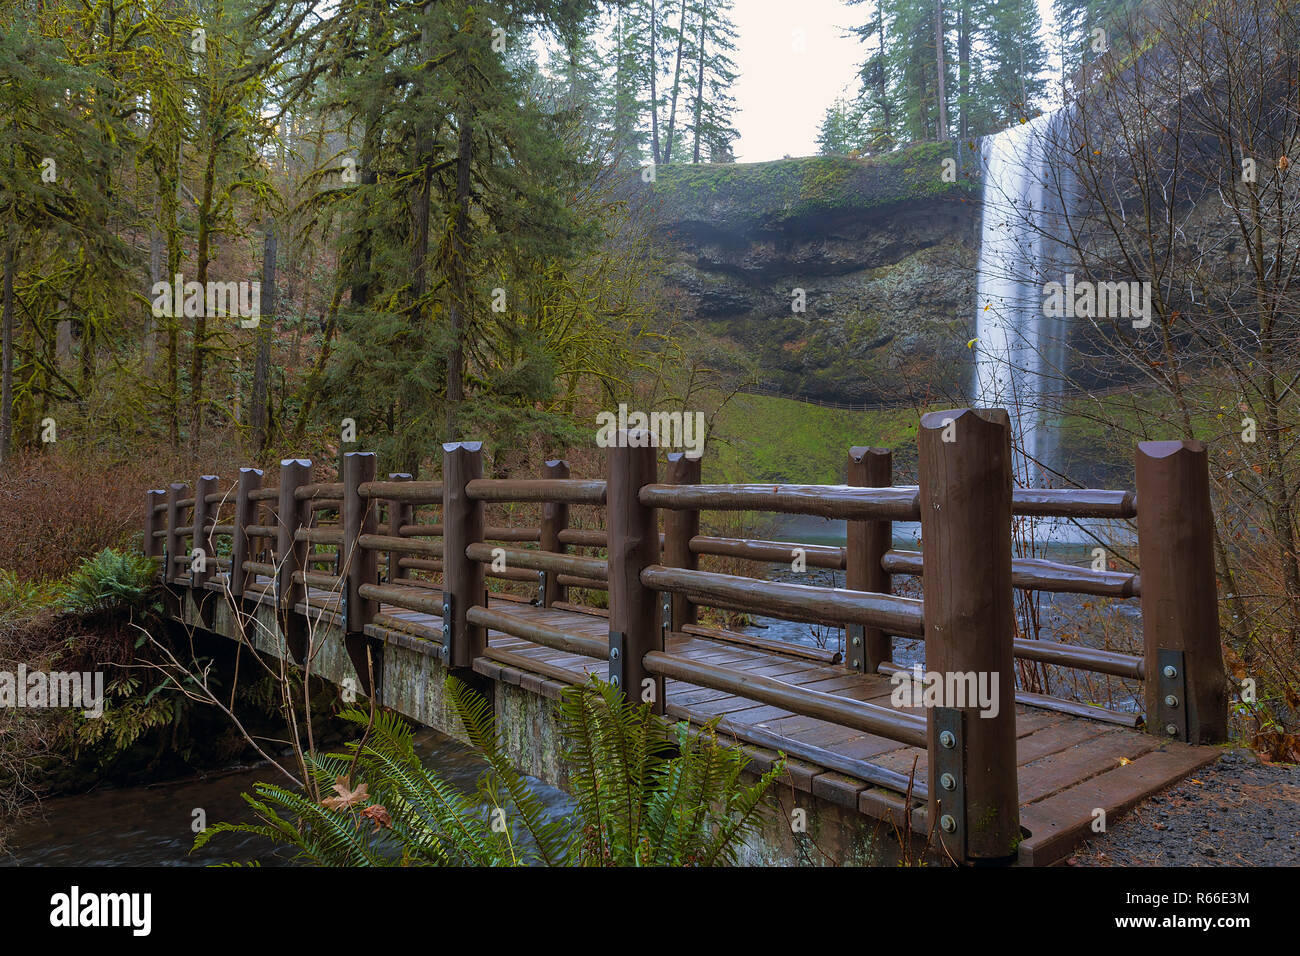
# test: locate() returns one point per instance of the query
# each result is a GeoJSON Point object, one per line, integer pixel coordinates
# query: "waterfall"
{"type": "Point", "coordinates": [1020, 353]}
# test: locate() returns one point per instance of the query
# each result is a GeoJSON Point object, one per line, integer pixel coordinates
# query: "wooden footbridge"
{"type": "Point", "coordinates": [996, 777]}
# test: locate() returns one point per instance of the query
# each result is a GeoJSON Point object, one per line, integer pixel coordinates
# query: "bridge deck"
{"type": "Point", "coordinates": [1069, 766]}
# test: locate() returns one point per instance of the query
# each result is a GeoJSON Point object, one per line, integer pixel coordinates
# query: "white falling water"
{"type": "Point", "coordinates": [1018, 350]}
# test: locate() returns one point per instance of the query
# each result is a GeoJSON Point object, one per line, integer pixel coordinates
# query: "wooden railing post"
{"type": "Point", "coordinates": [463, 579]}
{"type": "Point", "coordinates": [360, 565]}
{"type": "Point", "coordinates": [250, 480]}
{"type": "Point", "coordinates": [866, 648]}
{"type": "Point", "coordinates": [634, 615]}
{"type": "Point", "coordinates": [153, 523]}
{"type": "Point", "coordinates": [1186, 687]}
{"type": "Point", "coordinates": [290, 515]}
{"type": "Point", "coordinates": [555, 518]}
{"type": "Point", "coordinates": [679, 527]}
{"type": "Point", "coordinates": [399, 513]}
{"type": "Point", "coordinates": [175, 492]}
{"type": "Point", "coordinates": [965, 494]}
{"type": "Point", "coordinates": [200, 537]}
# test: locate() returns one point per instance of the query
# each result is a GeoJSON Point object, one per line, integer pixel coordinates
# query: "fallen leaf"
{"type": "Point", "coordinates": [346, 796]}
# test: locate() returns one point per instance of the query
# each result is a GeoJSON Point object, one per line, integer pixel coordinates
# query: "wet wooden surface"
{"type": "Point", "coordinates": [1068, 767]}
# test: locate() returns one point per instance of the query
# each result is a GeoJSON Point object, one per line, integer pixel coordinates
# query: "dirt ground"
{"type": "Point", "coordinates": [1236, 812]}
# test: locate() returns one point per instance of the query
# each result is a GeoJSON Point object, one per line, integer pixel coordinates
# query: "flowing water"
{"type": "Point", "coordinates": [1020, 353]}
{"type": "Point", "coordinates": [154, 825]}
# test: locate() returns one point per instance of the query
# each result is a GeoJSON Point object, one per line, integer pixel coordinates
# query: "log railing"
{"type": "Point", "coordinates": [376, 550]}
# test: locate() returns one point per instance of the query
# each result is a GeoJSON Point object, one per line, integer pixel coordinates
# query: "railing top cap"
{"type": "Point", "coordinates": [687, 455]}
{"type": "Point", "coordinates": [467, 445]}
{"type": "Point", "coordinates": [349, 454]}
{"type": "Point", "coordinates": [251, 471]}
{"type": "Point", "coordinates": [1164, 449]}
{"type": "Point", "coordinates": [208, 478]}
{"type": "Point", "coordinates": [552, 462]}
{"type": "Point", "coordinates": [156, 491]}
{"type": "Point", "coordinates": [858, 452]}
{"type": "Point", "coordinates": [399, 476]}
{"type": "Point", "coordinates": [305, 462]}
{"type": "Point", "coordinates": [940, 419]}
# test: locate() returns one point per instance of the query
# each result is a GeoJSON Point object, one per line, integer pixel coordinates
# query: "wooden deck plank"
{"type": "Point", "coordinates": [1072, 765]}
{"type": "Point", "coordinates": [1058, 823]}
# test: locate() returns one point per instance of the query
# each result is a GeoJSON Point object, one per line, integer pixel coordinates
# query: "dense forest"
{"type": "Point", "coordinates": [426, 206]}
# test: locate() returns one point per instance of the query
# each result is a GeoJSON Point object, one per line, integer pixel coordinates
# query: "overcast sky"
{"type": "Point", "coordinates": [782, 93]}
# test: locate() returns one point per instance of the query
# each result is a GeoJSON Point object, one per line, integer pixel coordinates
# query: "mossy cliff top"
{"type": "Point", "coordinates": [782, 193]}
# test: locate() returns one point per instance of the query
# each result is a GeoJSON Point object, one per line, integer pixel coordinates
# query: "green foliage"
{"type": "Point", "coordinates": [20, 599]}
{"type": "Point", "coordinates": [646, 795]}
{"type": "Point", "coordinates": [650, 794]}
{"type": "Point", "coordinates": [109, 580]}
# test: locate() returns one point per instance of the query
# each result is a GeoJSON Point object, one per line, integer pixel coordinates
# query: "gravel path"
{"type": "Point", "coordinates": [1237, 812]}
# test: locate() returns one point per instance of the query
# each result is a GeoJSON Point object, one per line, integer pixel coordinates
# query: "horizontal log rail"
{"type": "Point", "coordinates": [573, 491]}
{"type": "Point", "coordinates": [795, 602]}
{"type": "Point", "coordinates": [826, 501]}
{"type": "Point", "coordinates": [785, 648]}
{"type": "Point", "coordinates": [574, 581]}
{"type": "Point", "coordinates": [319, 536]}
{"type": "Point", "coordinates": [419, 564]}
{"type": "Point", "coordinates": [388, 542]}
{"type": "Point", "coordinates": [570, 564]}
{"type": "Point", "coordinates": [779, 552]}
{"type": "Point", "coordinates": [583, 539]}
{"type": "Point", "coordinates": [490, 533]}
{"type": "Point", "coordinates": [539, 633]}
{"type": "Point", "coordinates": [407, 598]}
{"type": "Point", "coordinates": [1081, 658]}
{"type": "Point", "coordinates": [859, 715]}
{"type": "Point", "coordinates": [326, 582]}
{"type": "Point", "coordinates": [410, 492]}
{"type": "Point", "coordinates": [1036, 574]}
{"type": "Point", "coordinates": [332, 490]}
{"type": "Point", "coordinates": [1073, 503]}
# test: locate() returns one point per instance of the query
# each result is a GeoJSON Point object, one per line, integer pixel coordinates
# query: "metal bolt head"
{"type": "Point", "coordinates": [613, 653]}
{"type": "Point", "coordinates": [613, 679]}
{"type": "Point", "coordinates": [947, 739]}
{"type": "Point", "coordinates": [1171, 700]}
{"type": "Point", "coordinates": [948, 782]}
{"type": "Point", "coordinates": [857, 641]}
{"type": "Point", "coordinates": [948, 824]}
{"type": "Point", "coordinates": [1171, 671]}
{"type": "Point", "coordinates": [1171, 730]}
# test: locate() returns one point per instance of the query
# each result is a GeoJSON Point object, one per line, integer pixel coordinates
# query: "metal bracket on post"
{"type": "Point", "coordinates": [446, 629]}
{"type": "Point", "coordinates": [540, 600]}
{"type": "Point", "coordinates": [1171, 699]}
{"type": "Point", "coordinates": [856, 647]}
{"type": "Point", "coordinates": [666, 621]}
{"type": "Point", "coordinates": [950, 773]}
{"type": "Point", "coordinates": [618, 660]}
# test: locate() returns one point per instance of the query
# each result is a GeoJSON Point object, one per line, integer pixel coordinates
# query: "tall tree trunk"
{"type": "Point", "coordinates": [654, 82]}
{"type": "Point", "coordinates": [677, 79]}
{"type": "Point", "coordinates": [258, 417]}
{"type": "Point", "coordinates": [202, 255]}
{"type": "Point", "coordinates": [699, 80]}
{"type": "Point", "coordinates": [963, 74]}
{"type": "Point", "coordinates": [7, 355]}
{"type": "Point", "coordinates": [459, 278]}
{"type": "Point", "coordinates": [882, 81]}
{"type": "Point", "coordinates": [940, 71]}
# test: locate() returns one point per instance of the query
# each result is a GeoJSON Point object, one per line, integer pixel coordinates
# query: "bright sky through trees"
{"type": "Point", "coordinates": [782, 94]}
